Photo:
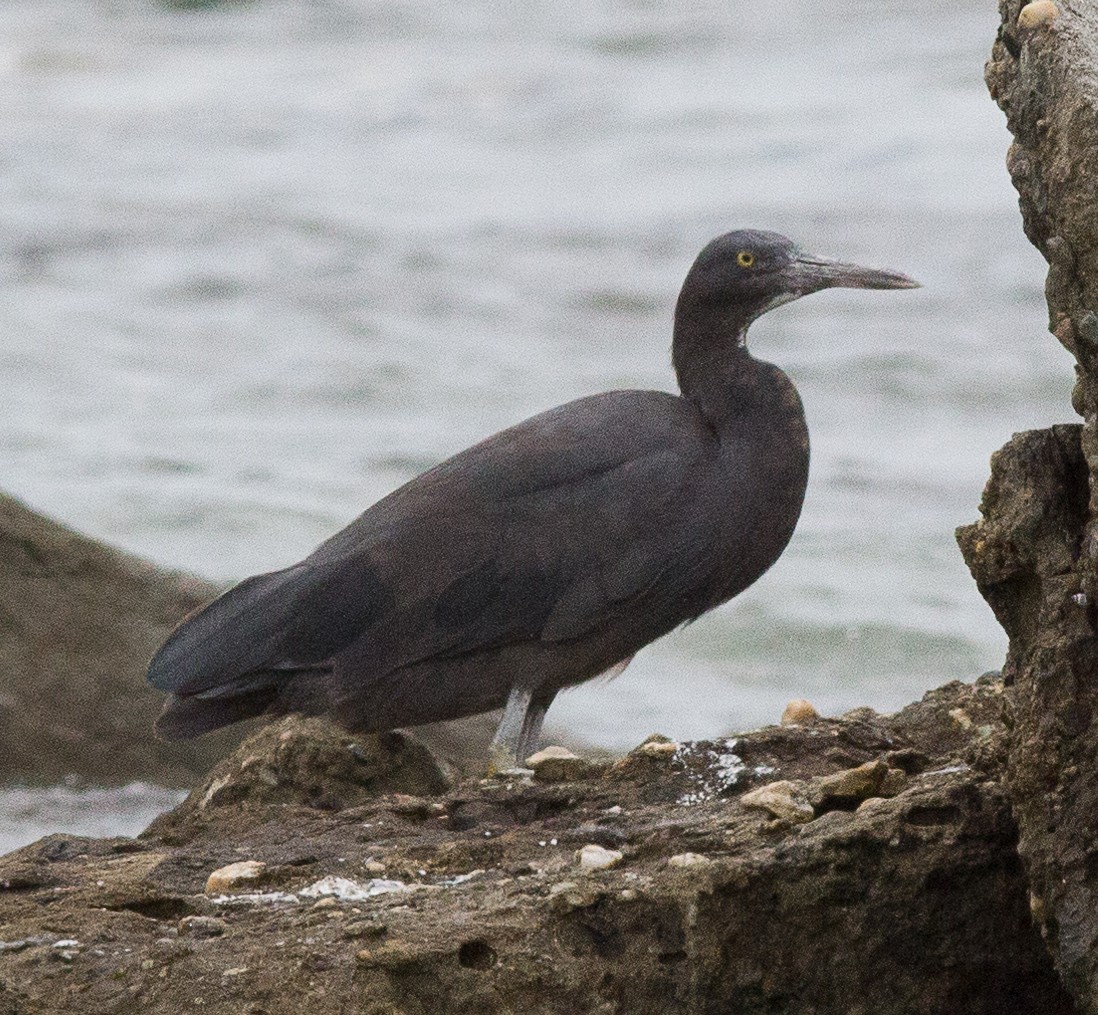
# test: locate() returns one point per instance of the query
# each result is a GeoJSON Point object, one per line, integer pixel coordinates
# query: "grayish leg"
{"type": "Point", "coordinates": [531, 727]}
{"type": "Point", "coordinates": [504, 752]}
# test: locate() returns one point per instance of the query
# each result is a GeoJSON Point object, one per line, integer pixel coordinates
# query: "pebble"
{"type": "Point", "coordinates": [852, 783]}
{"type": "Point", "coordinates": [556, 764]}
{"type": "Point", "coordinates": [798, 712]}
{"type": "Point", "coordinates": [597, 858]}
{"type": "Point", "coordinates": [782, 800]}
{"type": "Point", "coordinates": [224, 879]}
{"type": "Point", "coordinates": [202, 926]}
{"type": "Point", "coordinates": [1037, 13]}
{"type": "Point", "coordinates": [689, 860]}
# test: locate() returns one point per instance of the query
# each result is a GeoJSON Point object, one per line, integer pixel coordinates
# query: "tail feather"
{"type": "Point", "coordinates": [238, 633]}
{"type": "Point", "coordinates": [186, 717]}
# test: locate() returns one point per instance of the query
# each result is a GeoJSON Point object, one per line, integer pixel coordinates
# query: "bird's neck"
{"type": "Point", "coordinates": [714, 369]}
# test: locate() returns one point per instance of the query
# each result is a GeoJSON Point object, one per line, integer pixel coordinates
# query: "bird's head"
{"type": "Point", "coordinates": [743, 274]}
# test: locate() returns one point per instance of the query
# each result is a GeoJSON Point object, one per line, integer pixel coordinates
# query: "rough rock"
{"type": "Point", "coordinates": [916, 904]}
{"type": "Point", "coordinates": [202, 926]}
{"type": "Point", "coordinates": [1034, 552]}
{"type": "Point", "coordinates": [78, 623]}
{"type": "Point", "coordinates": [312, 763]}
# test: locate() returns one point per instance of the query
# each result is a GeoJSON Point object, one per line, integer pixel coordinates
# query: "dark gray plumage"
{"type": "Point", "coordinates": [541, 557]}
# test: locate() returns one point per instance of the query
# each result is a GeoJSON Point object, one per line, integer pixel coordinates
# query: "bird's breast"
{"type": "Point", "coordinates": [761, 481]}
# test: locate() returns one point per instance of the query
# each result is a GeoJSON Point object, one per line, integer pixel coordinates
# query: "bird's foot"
{"type": "Point", "coordinates": [512, 773]}
{"type": "Point", "coordinates": [502, 763]}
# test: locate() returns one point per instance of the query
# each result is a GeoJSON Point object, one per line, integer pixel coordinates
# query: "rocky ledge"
{"type": "Point", "coordinates": [861, 864]}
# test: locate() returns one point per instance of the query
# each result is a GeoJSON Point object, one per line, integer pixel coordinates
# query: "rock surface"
{"type": "Point", "coordinates": [470, 900]}
{"type": "Point", "coordinates": [311, 762]}
{"type": "Point", "coordinates": [78, 624]}
{"type": "Point", "coordinates": [1034, 553]}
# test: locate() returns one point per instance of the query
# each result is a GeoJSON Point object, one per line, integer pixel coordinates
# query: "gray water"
{"type": "Point", "coordinates": [261, 264]}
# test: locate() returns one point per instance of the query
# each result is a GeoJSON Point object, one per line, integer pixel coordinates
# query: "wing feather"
{"type": "Point", "coordinates": [542, 531]}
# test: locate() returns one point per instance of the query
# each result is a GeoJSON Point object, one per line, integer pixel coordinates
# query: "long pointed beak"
{"type": "Point", "coordinates": [809, 274]}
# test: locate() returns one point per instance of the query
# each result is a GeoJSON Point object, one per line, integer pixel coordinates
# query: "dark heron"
{"type": "Point", "coordinates": [545, 555]}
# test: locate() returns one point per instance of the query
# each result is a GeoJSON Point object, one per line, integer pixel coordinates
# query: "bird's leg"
{"type": "Point", "coordinates": [531, 725]}
{"type": "Point", "coordinates": [504, 753]}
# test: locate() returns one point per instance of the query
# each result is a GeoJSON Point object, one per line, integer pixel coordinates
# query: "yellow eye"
{"type": "Point", "coordinates": [745, 259]}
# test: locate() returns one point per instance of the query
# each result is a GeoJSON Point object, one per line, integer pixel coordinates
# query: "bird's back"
{"type": "Point", "coordinates": [582, 533]}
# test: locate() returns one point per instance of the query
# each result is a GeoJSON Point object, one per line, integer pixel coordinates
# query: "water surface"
{"type": "Point", "coordinates": [261, 264]}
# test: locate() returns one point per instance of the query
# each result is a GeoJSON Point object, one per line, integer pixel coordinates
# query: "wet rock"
{"type": "Point", "coordinates": [234, 877]}
{"type": "Point", "coordinates": [782, 799]}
